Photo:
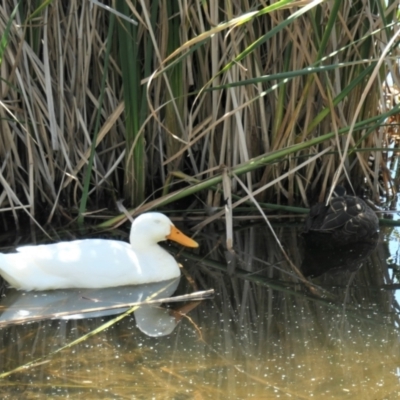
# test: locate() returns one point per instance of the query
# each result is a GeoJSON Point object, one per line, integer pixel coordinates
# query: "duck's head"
{"type": "Point", "coordinates": [154, 227]}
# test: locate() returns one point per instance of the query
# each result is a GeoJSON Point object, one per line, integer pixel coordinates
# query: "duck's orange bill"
{"type": "Point", "coordinates": [177, 236]}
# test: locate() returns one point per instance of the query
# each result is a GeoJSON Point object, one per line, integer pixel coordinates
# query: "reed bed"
{"type": "Point", "coordinates": [284, 96]}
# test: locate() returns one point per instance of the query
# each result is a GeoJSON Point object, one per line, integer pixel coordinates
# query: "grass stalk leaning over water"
{"type": "Point", "coordinates": [197, 296]}
{"type": "Point", "coordinates": [258, 162]}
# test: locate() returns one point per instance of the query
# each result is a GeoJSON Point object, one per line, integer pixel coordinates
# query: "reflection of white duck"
{"type": "Point", "coordinates": [17, 307]}
{"type": "Point", "coordinates": [98, 263]}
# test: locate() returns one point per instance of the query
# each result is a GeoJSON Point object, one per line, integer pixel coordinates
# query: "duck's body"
{"type": "Point", "coordinates": [339, 236]}
{"type": "Point", "coordinates": [98, 263]}
{"type": "Point", "coordinates": [347, 219]}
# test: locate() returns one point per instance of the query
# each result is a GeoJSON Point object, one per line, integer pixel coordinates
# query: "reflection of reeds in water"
{"type": "Point", "coordinates": [323, 338]}
{"type": "Point", "coordinates": [263, 337]}
{"type": "Point", "coordinates": [89, 367]}
{"type": "Point", "coordinates": [121, 364]}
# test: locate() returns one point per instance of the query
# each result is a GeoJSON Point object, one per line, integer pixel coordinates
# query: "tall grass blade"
{"type": "Point", "coordinates": [134, 168]}
{"type": "Point", "coordinates": [86, 182]}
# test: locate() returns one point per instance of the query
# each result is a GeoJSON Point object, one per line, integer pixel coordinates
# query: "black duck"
{"type": "Point", "coordinates": [340, 236]}
{"type": "Point", "coordinates": [347, 219]}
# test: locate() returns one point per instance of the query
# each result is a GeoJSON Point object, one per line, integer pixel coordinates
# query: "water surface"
{"type": "Point", "coordinates": [263, 336]}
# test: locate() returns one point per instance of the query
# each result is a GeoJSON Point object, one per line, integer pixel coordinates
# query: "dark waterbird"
{"type": "Point", "coordinates": [340, 235]}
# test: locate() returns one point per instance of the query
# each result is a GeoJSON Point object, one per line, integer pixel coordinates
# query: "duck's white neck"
{"type": "Point", "coordinates": [142, 242]}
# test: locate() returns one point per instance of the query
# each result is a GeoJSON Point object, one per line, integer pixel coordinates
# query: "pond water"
{"type": "Point", "coordinates": [264, 335]}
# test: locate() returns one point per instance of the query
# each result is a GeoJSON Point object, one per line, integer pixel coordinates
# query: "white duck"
{"type": "Point", "coordinates": [98, 263]}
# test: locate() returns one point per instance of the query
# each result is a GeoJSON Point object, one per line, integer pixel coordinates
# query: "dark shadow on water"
{"type": "Point", "coordinates": [323, 258]}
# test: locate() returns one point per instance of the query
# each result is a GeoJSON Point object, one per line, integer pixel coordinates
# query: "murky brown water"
{"type": "Point", "coordinates": [263, 335]}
